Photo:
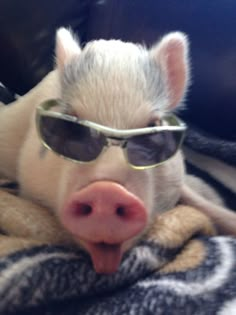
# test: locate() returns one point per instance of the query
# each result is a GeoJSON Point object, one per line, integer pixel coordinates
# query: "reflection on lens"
{"type": "Point", "coordinates": [70, 139]}
{"type": "Point", "coordinates": [151, 149]}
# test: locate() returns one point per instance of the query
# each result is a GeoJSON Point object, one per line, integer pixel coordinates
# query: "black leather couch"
{"type": "Point", "coordinates": [27, 30]}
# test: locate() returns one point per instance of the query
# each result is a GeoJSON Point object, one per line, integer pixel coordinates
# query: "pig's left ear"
{"type": "Point", "coordinates": [171, 55]}
{"type": "Point", "coordinates": [67, 46]}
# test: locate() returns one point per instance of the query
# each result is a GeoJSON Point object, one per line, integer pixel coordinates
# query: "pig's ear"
{"type": "Point", "coordinates": [67, 46]}
{"type": "Point", "coordinates": [171, 55]}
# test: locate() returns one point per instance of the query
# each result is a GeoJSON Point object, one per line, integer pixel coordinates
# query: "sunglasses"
{"type": "Point", "coordinates": [83, 141]}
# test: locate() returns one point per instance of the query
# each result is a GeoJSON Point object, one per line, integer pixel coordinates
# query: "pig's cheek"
{"type": "Point", "coordinates": [38, 175]}
{"type": "Point", "coordinates": [168, 180]}
{"type": "Point", "coordinates": [64, 184]}
{"type": "Point", "coordinates": [73, 178]}
{"type": "Point", "coordinates": [140, 183]}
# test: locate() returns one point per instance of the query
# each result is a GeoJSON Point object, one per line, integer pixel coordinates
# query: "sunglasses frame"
{"type": "Point", "coordinates": [114, 137]}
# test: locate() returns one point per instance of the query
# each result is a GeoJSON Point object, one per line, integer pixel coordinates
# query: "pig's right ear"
{"type": "Point", "coordinates": [67, 46]}
{"type": "Point", "coordinates": [171, 56]}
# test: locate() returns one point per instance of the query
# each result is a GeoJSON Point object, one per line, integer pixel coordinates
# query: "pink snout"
{"type": "Point", "coordinates": [102, 216]}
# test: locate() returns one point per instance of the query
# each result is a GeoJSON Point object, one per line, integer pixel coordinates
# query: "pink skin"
{"type": "Point", "coordinates": [104, 215]}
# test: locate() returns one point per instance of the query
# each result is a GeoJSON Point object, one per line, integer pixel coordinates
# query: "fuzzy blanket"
{"type": "Point", "coordinates": [180, 267]}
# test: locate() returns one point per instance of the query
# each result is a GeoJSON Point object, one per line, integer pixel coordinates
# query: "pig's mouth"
{"type": "Point", "coordinates": [105, 257]}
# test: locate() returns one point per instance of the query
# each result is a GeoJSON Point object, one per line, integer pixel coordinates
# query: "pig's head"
{"type": "Point", "coordinates": [107, 205]}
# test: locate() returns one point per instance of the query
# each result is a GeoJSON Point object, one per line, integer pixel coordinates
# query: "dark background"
{"type": "Point", "coordinates": [27, 31]}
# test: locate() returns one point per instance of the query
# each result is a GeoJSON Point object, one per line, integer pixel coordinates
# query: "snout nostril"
{"type": "Point", "coordinates": [84, 209]}
{"type": "Point", "coordinates": [120, 211]}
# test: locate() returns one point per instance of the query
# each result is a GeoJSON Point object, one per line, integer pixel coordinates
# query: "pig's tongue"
{"type": "Point", "coordinates": [106, 257]}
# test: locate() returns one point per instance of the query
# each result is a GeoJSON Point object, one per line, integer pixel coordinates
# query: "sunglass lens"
{"type": "Point", "coordinates": [70, 139]}
{"type": "Point", "coordinates": [151, 149]}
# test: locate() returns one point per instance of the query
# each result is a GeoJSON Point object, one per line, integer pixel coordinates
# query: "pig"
{"type": "Point", "coordinates": [106, 205]}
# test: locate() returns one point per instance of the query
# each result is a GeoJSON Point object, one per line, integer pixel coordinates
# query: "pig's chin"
{"type": "Point", "coordinates": [106, 257]}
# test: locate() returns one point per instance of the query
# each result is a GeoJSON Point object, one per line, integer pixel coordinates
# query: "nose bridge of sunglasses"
{"type": "Point", "coordinates": [111, 141]}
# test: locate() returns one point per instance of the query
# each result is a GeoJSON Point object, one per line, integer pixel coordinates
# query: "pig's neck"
{"type": "Point", "coordinates": [15, 119]}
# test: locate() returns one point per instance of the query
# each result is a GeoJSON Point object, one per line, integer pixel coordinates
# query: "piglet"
{"type": "Point", "coordinates": [106, 205]}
